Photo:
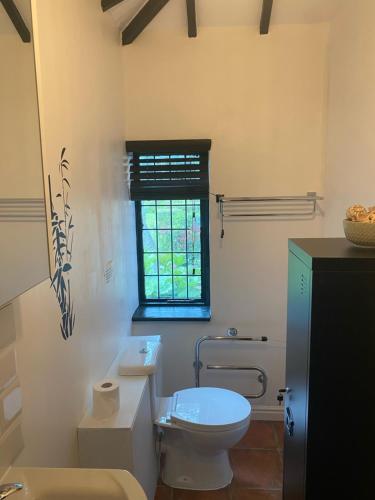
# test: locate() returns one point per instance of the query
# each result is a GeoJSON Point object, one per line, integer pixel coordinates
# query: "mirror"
{"type": "Point", "coordinates": [23, 229]}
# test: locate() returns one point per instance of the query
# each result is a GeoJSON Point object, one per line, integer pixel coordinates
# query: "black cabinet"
{"type": "Point", "coordinates": [330, 372]}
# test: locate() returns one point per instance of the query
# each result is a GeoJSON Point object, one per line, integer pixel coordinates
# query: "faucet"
{"type": "Point", "coordinates": [9, 489]}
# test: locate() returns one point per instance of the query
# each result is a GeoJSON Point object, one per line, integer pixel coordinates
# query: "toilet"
{"type": "Point", "coordinates": [198, 425]}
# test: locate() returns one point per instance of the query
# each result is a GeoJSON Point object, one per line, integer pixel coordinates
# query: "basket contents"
{"type": "Point", "coordinates": [358, 213]}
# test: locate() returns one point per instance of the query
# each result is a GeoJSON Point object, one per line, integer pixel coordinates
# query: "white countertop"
{"type": "Point", "coordinates": [131, 392]}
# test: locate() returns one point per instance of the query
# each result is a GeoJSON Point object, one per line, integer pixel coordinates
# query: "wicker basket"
{"type": "Point", "coordinates": [360, 233]}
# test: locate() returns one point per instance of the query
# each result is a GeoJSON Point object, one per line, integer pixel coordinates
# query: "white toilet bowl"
{"type": "Point", "coordinates": [200, 426]}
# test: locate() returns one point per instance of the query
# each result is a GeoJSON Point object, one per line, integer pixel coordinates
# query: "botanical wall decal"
{"type": "Point", "coordinates": [62, 242]}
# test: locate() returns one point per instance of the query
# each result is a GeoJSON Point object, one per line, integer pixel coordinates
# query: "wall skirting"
{"type": "Point", "coordinates": [267, 413]}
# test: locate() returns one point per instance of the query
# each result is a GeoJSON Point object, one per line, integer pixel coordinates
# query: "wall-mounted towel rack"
{"type": "Point", "coordinates": [270, 207]}
{"type": "Point", "coordinates": [22, 210]}
{"type": "Point", "coordinates": [262, 377]}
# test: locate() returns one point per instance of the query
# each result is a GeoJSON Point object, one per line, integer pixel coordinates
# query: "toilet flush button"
{"type": "Point", "coordinates": [184, 480]}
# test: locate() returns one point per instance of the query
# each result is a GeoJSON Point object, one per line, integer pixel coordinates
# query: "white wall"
{"type": "Point", "coordinates": [80, 85]}
{"type": "Point", "coordinates": [262, 100]}
{"type": "Point", "coordinates": [351, 113]}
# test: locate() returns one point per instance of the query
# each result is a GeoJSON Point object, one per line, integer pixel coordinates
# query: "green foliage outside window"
{"type": "Point", "coordinates": [171, 237]}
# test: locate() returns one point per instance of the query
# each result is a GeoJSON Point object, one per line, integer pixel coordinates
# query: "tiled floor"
{"type": "Point", "coordinates": [257, 468]}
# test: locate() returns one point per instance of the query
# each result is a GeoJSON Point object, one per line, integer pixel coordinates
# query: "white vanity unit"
{"type": "Point", "coordinates": [126, 439]}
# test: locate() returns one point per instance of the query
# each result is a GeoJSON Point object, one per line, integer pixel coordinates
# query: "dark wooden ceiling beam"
{"type": "Point", "coordinates": [16, 18]}
{"type": "Point", "coordinates": [141, 20]}
{"type": "Point", "coordinates": [266, 17]}
{"type": "Point", "coordinates": [191, 18]}
{"type": "Point", "coordinates": [108, 4]}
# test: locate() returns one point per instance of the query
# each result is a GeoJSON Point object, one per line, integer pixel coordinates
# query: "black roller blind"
{"type": "Point", "coordinates": [164, 170]}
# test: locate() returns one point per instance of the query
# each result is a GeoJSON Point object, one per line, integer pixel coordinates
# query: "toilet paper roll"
{"type": "Point", "coordinates": [106, 398]}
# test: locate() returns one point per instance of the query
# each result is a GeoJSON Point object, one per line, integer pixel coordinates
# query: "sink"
{"type": "Point", "coordinates": [74, 484]}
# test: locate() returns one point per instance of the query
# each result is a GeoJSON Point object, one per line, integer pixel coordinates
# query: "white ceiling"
{"type": "Point", "coordinates": [230, 12]}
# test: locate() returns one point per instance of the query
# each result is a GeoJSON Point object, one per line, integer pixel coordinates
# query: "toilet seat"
{"type": "Point", "coordinates": [209, 409]}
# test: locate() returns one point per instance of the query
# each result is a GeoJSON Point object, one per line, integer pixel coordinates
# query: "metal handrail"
{"type": "Point", "coordinates": [262, 378]}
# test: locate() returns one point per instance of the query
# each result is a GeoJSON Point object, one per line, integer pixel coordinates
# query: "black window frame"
{"type": "Point", "coordinates": [205, 261]}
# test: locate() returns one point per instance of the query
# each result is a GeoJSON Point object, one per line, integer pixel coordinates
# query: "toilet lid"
{"type": "Point", "coordinates": [209, 408]}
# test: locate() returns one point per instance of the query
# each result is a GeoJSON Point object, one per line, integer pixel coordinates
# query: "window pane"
{"type": "Point", "coordinates": [179, 263]}
{"type": "Point", "coordinates": [179, 240]}
{"type": "Point", "coordinates": [165, 240]}
{"type": "Point", "coordinates": [165, 263]}
{"type": "Point", "coordinates": [149, 241]}
{"type": "Point", "coordinates": [179, 217]}
{"type": "Point", "coordinates": [149, 217]}
{"type": "Point", "coordinates": [180, 287]}
{"type": "Point", "coordinates": [150, 262]}
{"type": "Point", "coordinates": [194, 240]}
{"type": "Point", "coordinates": [195, 287]}
{"type": "Point", "coordinates": [166, 287]}
{"type": "Point", "coordinates": [172, 262]}
{"type": "Point", "coordinates": [193, 216]}
{"type": "Point", "coordinates": [147, 202]}
{"type": "Point", "coordinates": [194, 264]}
{"type": "Point", "coordinates": [164, 217]}
{"type": "Point", "coordinates": [151, 287]}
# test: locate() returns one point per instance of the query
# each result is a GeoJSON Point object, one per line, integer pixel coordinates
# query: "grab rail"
{"type": "Point", "coordinates": [262, 378]}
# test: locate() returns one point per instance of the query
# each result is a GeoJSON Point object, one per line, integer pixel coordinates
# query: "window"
{"type": "Point", "coordinates": [169, 183]}
{"type": "Point", "coordinates": [173, 251]}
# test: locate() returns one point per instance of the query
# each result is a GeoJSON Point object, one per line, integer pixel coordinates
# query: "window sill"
{"type": "Point", "coordinates": [172, 313]}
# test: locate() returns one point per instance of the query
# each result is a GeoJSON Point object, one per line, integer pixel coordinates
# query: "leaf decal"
{"type": "Point", "coordinates": [62, 225]}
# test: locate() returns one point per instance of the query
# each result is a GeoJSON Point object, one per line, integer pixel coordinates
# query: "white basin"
{"type": "Point", "coordinates": [74, 484]}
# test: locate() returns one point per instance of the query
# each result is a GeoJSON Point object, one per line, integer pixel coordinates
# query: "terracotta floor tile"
{"type": "Point", "coordinates": [163, 493]}
{"type": "Point", "coordinates": [279, 428]}
{"type": "Point", "coordinates": [245, 494]}
{"type": "Point", "coordinates": [201, 495]}
{"type": "Point", "coordinates": [260, 435]}
{"type": "Point", "coordinates": [258, 469]}
{"type": "Point", "coordinates": [281, 455]}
